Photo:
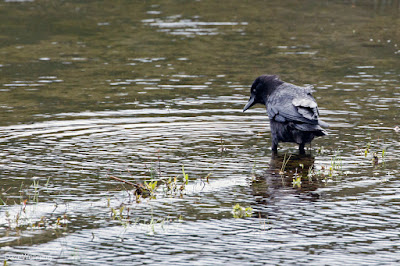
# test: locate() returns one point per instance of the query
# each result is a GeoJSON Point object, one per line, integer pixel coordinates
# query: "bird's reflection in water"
{"type": "Point", "coordinates": [287, 175]}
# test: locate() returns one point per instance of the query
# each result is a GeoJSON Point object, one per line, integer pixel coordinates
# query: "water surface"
{"type": "Point", "coordinates": [137, 89]}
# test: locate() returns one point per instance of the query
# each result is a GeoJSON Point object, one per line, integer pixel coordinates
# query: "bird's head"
{"type": "Point", "coordinates": [262, 87]}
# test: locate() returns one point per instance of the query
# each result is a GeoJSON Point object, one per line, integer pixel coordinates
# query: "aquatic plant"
{"type": "Point", "coordinates": [376, 153]}
{"type": "Point", "coordinates": [207, 177]}
{"type": "Point", "coordinates": [123, 216]}
{"type": "Point", "coordinates": [375, 159]}
{"type": "Point", "coordinates": [26, 216]}
{"type": "Point", "coordinates": [284, 163]}
{"type": "Point", "coordinates": [319, 151]}
{"type": "Point", "coordinates": [118, 214]}
{"type": "Point", "coordinates": [367, 149]}
{"type": "Point", "coordinates": [241, 212]}
{"type": "Point", "coordinates": [333, 169]}
{"type": "Point", "coordinates": [296, 181]}
{"type": "Point", "coordinates": [153, 172]}
{"type": "Point", "coordinates": [36, 191]}
{"type": "Point", "coordinates": [185, 176]}
{"type": "Point", "coordinates": [336, 165]}
{"type": "Point", "coordinates": [151, 186]}
{"type": "Point", "coordinates": [222, 148]}
{"type": "Point", "coordinates": [171, 185]}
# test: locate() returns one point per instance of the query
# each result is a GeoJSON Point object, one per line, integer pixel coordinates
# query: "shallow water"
{"type": "Point", "coordinates": [133, 89]}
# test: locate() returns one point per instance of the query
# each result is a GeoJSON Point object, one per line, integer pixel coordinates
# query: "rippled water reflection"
{"type": "Point", "coordinates": [133, 89]}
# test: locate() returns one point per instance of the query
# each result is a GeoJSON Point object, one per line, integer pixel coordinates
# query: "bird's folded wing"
{"type": "Point", "coordinates": [299, 110]}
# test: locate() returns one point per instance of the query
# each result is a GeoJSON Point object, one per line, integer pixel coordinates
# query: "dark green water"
{"type": "Point", "coordinates": [93, 89]}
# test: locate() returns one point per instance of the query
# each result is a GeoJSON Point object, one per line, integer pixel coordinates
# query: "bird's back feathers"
{"type": "Point", "coordinates": [291, 103]}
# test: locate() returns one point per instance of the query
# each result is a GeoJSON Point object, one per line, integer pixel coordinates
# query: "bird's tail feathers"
{"type": "Point", "coordinates": [316, 129]}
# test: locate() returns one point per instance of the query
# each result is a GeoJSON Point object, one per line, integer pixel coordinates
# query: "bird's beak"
{"type": "Point", "coordinates": [250, 103]}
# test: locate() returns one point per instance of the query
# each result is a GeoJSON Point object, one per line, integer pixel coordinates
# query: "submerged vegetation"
{"type": "Point", "coordinates": [25, 212]}
{"type": "Point", "coordinates": [171, 186]}
{"type": "Point", "coordinates": [301, 171]}
{"type": "Point", "coordinates": [24, 216]}
{"type": "Point", "coordinates": [126, 218]}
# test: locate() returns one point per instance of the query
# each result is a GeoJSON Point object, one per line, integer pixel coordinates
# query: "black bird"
{"type": "Point", "coordinates": [292, 111]}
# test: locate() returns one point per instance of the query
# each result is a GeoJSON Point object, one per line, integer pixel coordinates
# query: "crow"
{"type": "Point", "coordinates": [292, 111]}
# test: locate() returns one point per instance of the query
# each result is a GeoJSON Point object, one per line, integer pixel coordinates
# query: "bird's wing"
{"type": "Point", "coordinates": [300, 108]}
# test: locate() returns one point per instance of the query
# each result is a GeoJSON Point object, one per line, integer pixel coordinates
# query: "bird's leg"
{"type": "Point", "coordinates": [301, 148]}
{"type": "Point", "coordinates": [274, 147]}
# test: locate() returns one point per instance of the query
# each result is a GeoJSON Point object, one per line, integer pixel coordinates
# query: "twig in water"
{"type": "Point", "coordinates": [140, 190]}
{"type": "Point", "coordinates": [124, 181]}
